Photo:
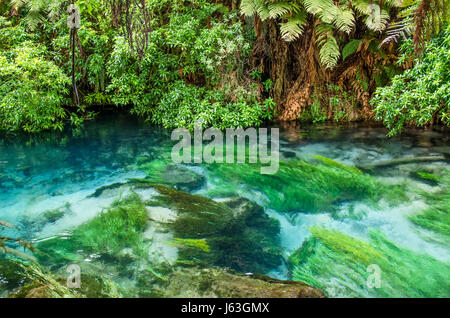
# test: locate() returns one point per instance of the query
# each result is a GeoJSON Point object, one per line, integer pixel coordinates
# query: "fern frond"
{"type": "Point", "coordinates": [278, 9]}
{"type": "Point", "coordinates": [293, 27]}
{"type": "Point", "coordinates": [329, 49]}
{"type": "Point", "coordinates": [248, 7]}
{"type": "Point", "coordinates": [396, 31]}
{"type": "Point", "coordinates": [344, 20]}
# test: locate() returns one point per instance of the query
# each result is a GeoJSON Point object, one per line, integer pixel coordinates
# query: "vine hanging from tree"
{"type": "Point", "coordinates": [134, 18]}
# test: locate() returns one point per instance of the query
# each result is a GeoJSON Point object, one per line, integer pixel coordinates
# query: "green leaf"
{"type": "Point", "coordinates": [350, 48]}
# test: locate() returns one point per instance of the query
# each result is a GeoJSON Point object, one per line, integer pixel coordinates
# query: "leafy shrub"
{"type": "Point", "coordinates": [32, 90]}
{"type": "Point", "coordinates": [420, 95]}
{"type": "Point", "coordinates": [193, 69]}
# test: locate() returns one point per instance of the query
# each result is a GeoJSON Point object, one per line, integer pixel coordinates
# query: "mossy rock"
{"type": "Point", "coordinates": [12, 275]}
{"type": "Point", "coordinates": [237, 232]}
{"type": "Point", "coordinates": [182, 178]}
{"type": "Point", "coordinates": [198, 216]}
{"type": "Point", "coordinates": [98, 287]}
{"type": "Point", "coordinates": [218, 282]}
{"type": "Point", "coordinates": [176, 176]}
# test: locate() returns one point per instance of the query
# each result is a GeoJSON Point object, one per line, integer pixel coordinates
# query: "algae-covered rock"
{"type": "Point", "coordinates": [29, 280]}
{"type": "Point", "coordinates": [176, 176]}
{"type": "Point", "coordinates": [217, 282]}
{"type": "Point", "coordinates": [114, 229]}
{"type": "Point", "coordinates": [236, 234]}
{"type": "Point", "coordinates": [12, 275]}
{"type": "Point", "coordinates": [182, 178]}
{"type": "Point", "coordinates": [98, 287]}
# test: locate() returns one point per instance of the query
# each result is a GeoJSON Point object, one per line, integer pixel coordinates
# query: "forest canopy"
{"type": "Point", "coordinates": [230, 63]}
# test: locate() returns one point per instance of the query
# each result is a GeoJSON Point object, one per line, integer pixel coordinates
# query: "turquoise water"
{"type": "Point", "coordinates": [329, 207]}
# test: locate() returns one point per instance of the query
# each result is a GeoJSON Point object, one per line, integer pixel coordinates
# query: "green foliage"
{"type": "Point", "coordinates": [31, 90]}
{"type": "Point", "coordinates": [421, 95]}
{"type": "Point", "coordinates": [350, 48]}
{"type": "Point", "coordinates": [333, 20]}
{"type": "Point", "coordinates": [195, 67]}
{"type": "Point", "coordinates": [338, 263]}
{"type": "Point", "coordinates": [192, 48]}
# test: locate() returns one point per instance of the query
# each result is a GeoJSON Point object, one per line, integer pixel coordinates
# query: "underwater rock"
{"type": "Point", "coordinates": [238, 234]}
{"type": "Point", "coordinates": [182, 178]}
{"type": "Point", "coordinates": [98, 287]}
{"type": "Point", "coordinates": [172, 175]}
{"type": "Point", "coordinates": [29, 280]}
{"type": "Point", "coordinates": [99, 191]}
{"type": "Point", "coordinates": [288, 154]}
{"type": "Point", "coordinates": [402, 161]}
{"type": "Point", "coordinates": [12, 275]}
{"type": "Point", "coordinates": [218, 282]}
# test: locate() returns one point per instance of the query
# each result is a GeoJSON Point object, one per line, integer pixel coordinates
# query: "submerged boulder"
{"type": "Point", "coordinates": [182, 178]}
{"type": "Point", "coordinates": [217, 282]}
{"type": "Point", "coordinates": [176, 176]}
{"type": "Point", "coordinates": [236, 233]}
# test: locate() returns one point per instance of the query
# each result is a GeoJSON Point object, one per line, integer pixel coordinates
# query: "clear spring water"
{"type": "Point", "coordinates": [53, 170]}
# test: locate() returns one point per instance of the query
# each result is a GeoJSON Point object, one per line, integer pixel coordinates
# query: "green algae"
{"type": "Point", "coordinates": [338, 264]}
{"type": "Point", "coordinates": [201, 244]}
{"type": "Point", "coordinates": [425, 176]}
{"type": "Point", "coordinates": [30, 280]}
{"type": "Point", "coordinates": [118, 227]}
{"type": "Point", "coordinates": [302, 186]}
{"type": "Point", "coordinates": [436, 217]}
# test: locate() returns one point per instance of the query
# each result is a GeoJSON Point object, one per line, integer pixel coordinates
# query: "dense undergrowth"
{"type": "Point", "coordinates": [200, 62]}
{"type": "Point", "coordinates": [195, 67]}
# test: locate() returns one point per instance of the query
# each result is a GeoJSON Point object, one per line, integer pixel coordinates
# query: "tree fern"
{"type": "Point", "coordinates": [279, 9]}
{"type": "Point", "coordinates": [338, 17]}
{"type": "Point", "coordinates": [293, 28]}
{"type": "Point", "coordinates": [248, 7]}
{"type": "Point", "coordinates": [329, 49]}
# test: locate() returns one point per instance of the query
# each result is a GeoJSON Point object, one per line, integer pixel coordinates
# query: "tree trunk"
{"type": "Point", "coordinates": [299, 78]}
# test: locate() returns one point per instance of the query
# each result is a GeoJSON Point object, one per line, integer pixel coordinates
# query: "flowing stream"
{"type": "Point", "coordinates": [61, 172]}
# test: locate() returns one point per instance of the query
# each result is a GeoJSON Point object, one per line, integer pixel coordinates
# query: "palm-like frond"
{"type": "Point", "coordinates": [329, 49]}
{"type": "Point", "coordinates": [293, 27]}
